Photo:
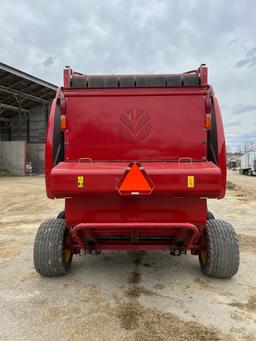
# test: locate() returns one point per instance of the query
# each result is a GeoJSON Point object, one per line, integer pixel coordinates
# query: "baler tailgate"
{"type": "Point", "coordinates": [138, 124]}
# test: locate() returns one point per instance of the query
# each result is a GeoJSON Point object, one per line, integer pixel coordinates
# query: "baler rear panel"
{"type": "Point", "coordinates": [135, 124]}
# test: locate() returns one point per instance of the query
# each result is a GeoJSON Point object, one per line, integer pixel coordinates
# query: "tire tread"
{"type": "Point", "coordinates": [223, 250]}
{"type": "Point", "coordinates": [48, 248]}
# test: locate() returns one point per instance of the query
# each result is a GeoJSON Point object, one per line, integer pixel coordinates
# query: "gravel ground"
{"type": "Point", "coordinates": [122, 295]}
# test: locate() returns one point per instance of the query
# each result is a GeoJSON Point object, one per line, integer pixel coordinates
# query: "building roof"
{"type": "Point", "coordinates": [19, 87]}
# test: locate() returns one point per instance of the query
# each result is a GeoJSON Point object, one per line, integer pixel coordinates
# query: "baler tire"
{"type": "Point", "coordinates": [219, 258]}
{"type": "Point", "coordinates": [210, 215]}
{"type": "Point", "coordinates": [51, 258]}
{"type": "Point", "coordinates": [61, 215]}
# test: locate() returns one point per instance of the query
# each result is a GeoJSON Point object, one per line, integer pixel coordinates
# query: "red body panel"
{"type": "Point", "coordinates": [49, 150]}
{"type": "Point", "coordinates": [168, 178]}
{"type": "Point", "coordinates": [104, 124]}
{"type": "Point", "coordinates": [222, 163]}
{"type": "Point", "coordinates": [95, 209]}
{"type": "Point", "coordinates": [164, 130]}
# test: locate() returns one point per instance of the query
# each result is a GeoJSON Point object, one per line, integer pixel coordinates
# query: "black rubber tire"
{"type": "Point", "coordinates": [210, 215]}
{"type": "Point", "coordinates": [49, 257]}
{"type": "Point", "coordinates": [61, 215]}
{"type": "Point", "coordinates": [222, 250]}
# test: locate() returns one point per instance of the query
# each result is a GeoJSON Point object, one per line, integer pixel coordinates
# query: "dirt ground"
{"type": "Point", "coordinates": [122, 295]}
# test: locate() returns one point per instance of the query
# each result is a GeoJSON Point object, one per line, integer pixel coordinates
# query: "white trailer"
{"type": "Point", "coordinates": [248, 163]}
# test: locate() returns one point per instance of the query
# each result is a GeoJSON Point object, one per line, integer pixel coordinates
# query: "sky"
{"type": "Point", "coordinates": [141, 36]}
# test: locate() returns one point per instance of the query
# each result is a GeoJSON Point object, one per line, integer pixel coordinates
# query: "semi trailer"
{"type": "Point", "coordinates": [248, 163]}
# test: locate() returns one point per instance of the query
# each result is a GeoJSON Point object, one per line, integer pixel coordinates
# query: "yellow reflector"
{"type": "Point", "coordinates": [62, 122]}
{"type": "Point", "coordinates": [80, 181]}
{"type": "Point", "coordinates": [191, 181]}
{"type": "Point", "coordinates": [208, 121]}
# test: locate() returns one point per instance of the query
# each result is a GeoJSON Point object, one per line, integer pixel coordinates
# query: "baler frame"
{"type": "Point", "coordinates": [132, 230]}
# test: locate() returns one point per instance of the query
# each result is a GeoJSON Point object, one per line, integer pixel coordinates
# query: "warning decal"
{"type": "Point", "coordinates": [135, 181]}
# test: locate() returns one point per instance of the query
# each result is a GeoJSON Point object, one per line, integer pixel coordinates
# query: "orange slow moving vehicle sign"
{"type": "Point", "coordinates": [135, 181]}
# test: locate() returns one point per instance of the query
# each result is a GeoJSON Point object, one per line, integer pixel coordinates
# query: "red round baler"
{"type": "Point", "coordinates": [136, 157]}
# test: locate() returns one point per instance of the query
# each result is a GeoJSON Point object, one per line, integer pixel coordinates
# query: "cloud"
{"type": "Point", "coordinates": [120, 36]}
{"type": "Point", "coordinates": [233, 41]}
{"type": "Point", "coordinates": [239, 109]}
{"type": "Point", "coordinates": [248, 135]}
{"type": "Point", "coordinates": [249, 60]}
{"type": "Point", "coordinates": [232, 124]}
{"type": "Point", "coordinates": [251, 52]}
{"type": "Point", "coordinates": [49, 61]}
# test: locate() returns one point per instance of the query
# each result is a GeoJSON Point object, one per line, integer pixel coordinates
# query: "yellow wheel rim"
{"type": "Point", "coordinates": [67, 253]}
{"type": "Point", "coordinates": [203, 249]}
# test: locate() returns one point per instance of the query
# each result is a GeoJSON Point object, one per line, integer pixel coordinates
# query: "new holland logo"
{"type": "Point", "coordinates": [134, 124]}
